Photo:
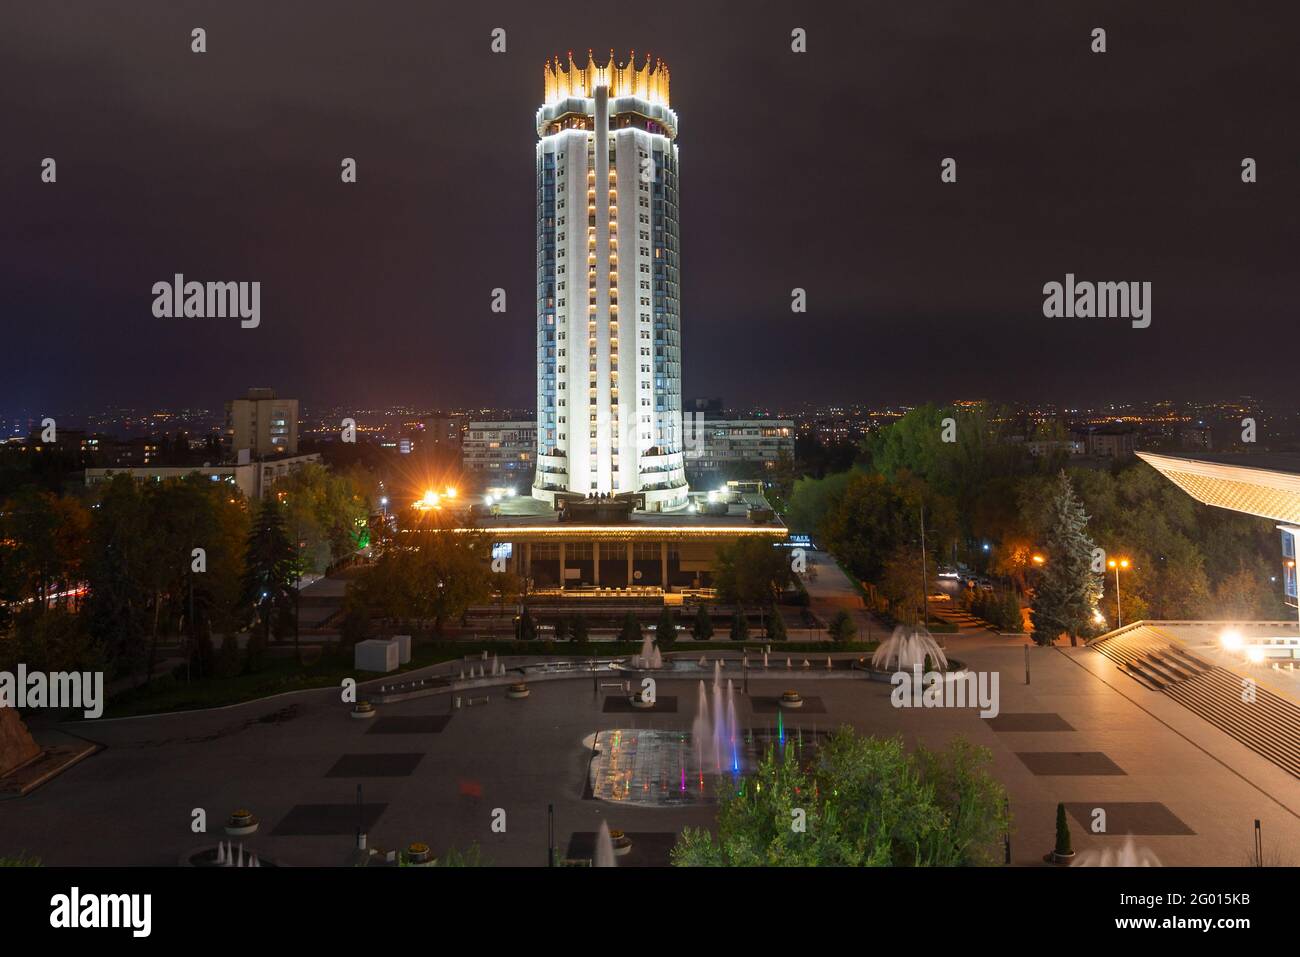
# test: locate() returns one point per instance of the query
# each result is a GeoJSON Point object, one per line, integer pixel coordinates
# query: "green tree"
{"type": "Point", "coordinates": [562, 630]}
{"type": "Point", "coordinates": [666, 629]}
{"type": "Point", "coordinates": [702, 627]}
{"type": "Point", "coordinates": [631, 631]}
{"type": "Point", "coordinates": [1063, 845]}
{"type": "Point", "coordinates": [269, 574]}
{"type": "Point", "coordinates": [751, 571]}
{"type": "Point", "coordinates": [775, 625]}
{"type": "Point", "coordinates": [1067, 589]}
{"type": "Point", "coordinates": [527, 627]}
{"type": "Point", "coordinates": [581, 633]}
{"type": "Point", "coordinates": [842, 628]}
{"type": "Point", "coordinates": [740, 626]}
{"type": "Point", "coordinates": [865, 802]}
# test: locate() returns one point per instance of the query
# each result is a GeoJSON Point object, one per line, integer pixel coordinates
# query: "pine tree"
{"type": "Point", "coordinates": [739, 626]}
{"type": "Point", "coordinates": [775, 625]}
{"type": "Point", "coordinates": [269, 569]}
{"type": "Point", "coordinates": [1066, 594]}
{"type": "Point", "coordinates": [1063, 845]}
{"type": "Point", "coordinates": [631, 629]}
{"type": "Point", "coordinates": [702, 629]}
{"type": "Point", "coordinates": [666, 629]}
{"type": "Point", "coordinates": [581, 634]}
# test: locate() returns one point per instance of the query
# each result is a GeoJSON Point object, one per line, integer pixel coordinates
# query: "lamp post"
{"type": "Point", "coordinates": [1117, 565]}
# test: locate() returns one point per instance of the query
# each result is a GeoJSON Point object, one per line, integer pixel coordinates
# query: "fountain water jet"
{"type": "Point", "coordinates": [907, 648]}
{"type": "Point", "coordinates": [604, 852]}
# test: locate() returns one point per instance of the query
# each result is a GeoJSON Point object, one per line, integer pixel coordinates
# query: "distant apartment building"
{"type": "Point", "coordinates": [731, 448]}
{"type": "Point", "coordinates": [263, 424]}
{"type": "Point", "coordinates": [1108, 442]}
{"type": "Point", "coordinates": [445, 432]}
{"type": "Point", "coordinates": [501, 449]}
{"type": "Point", "coordinates": [253, 478]}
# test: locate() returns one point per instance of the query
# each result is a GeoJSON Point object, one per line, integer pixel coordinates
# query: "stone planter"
{"type": "Point", "coordinates": [364, 710]}
{"type": "Point", "coordinates": [1060, 860]}
{"type": "Point", "coordinates": [638, 701]}
{"type": "Point", "coordinates": [622, 843]}
{"type": "Point", "coordinates": [791, 699]}
{"type": "Point", "coordinates": [517, 691]}
{"type": "Point", "coordinates": [241, 824]}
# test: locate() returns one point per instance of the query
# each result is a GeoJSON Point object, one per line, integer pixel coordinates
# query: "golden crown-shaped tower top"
{"type": "Point", "coordinates": [650, 82]}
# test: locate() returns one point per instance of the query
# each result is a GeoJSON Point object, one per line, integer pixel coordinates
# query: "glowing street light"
{"type": "Point", "coordinates": [1039, 559]}
{"type": "Point", "coordinates": [1117, 565]}
{"type": "Point", "coordinates": [1231, 640]}
{"type": "Point", "coordinates": [450, 491]}
{"type": "Point", "coordinates": [429, 501]}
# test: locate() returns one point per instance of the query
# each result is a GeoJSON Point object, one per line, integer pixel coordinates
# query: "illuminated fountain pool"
{"type": "Point", "coordinates": [652, 768]}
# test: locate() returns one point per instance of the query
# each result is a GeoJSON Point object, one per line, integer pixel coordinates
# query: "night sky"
{"type": "Point", "coordinates": [818, 170]}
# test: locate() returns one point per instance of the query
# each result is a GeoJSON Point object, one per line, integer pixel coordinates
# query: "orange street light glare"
{"type": "Point", "coordinates": [430, 500]}
{"type": "Point", "coordinates": [1039, 559]}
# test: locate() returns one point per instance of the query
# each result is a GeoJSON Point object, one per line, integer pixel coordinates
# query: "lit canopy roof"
{"type": "Point", "coordinates": [1266, 492]}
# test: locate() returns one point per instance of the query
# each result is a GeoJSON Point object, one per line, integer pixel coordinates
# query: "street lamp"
{"type": "Point", "coordinates": [1117, 565]}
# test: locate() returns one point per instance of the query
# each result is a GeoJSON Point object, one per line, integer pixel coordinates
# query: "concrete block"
{"type": "Point", "coordinates": [376, 654]}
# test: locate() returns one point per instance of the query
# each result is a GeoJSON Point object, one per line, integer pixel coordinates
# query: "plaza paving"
{"type": "Point", "coordinates": [1113, 744]}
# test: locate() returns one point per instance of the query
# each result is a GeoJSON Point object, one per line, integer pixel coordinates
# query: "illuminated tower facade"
{"type": "Point", "coordinates": [609, 396]}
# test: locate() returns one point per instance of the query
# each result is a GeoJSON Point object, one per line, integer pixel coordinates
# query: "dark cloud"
{"type": "Point", "coordinates": [819, 171]}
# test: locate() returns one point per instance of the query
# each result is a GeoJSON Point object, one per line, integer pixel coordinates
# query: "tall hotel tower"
{"type": "Point", "coordinates": [609, 394]}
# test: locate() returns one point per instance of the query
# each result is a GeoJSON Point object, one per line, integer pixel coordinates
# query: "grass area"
{"type": "Point", "coordinates": [280, 675]}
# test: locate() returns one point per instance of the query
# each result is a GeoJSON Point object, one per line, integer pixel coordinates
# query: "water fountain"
{"type": "Point", "coordinates": [828, 662]}
{"type": "Point", "coordinates": [604, 851]}
{"type": "Point", "coordinates": [1128, 855]}
{"type": "Point", "coordinates": [731, 725]}
{"type": "Point", "coordinates": [649, 657]}
{"type": "Point", "coordinates": [787, 664]}
{"type": "Point", "coordinates": [908, 648]}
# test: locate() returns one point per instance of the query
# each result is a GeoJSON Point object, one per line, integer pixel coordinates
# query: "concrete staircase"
{"type": "Point", "coordinates": [1268, 725]}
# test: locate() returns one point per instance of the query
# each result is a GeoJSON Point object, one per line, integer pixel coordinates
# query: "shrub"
{"type": "Point", "coordinates": [1063, 846]}
{"type": "Point", "coordinates": [631, 629]}
{"type": "Point", "coordinates": [842, 628]}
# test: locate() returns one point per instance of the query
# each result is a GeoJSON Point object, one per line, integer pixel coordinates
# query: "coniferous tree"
{"type": "Point", "coordinates": [775, 625]}
{"type": "Point", "coordinates": [739, 626]}
{"type": "Point", "coordinates": [1066, 594]}
{"type": "Point", "coordinates": [269, 571]}
{"type": "Point", "coordinates": [581, 634]}
{"type": "Point", "coordinates": [631, 629]}
{"type": "Point", "coordinates": [666, 629]}
{"type": "Point", "coordinates": [702, 629]}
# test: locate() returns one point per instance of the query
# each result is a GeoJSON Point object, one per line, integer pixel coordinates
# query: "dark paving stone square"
{"type": "Point", "coordinates": [1029, 721]}
{"type": "Point", "coordinates": [649, 848]}
{"type": "Point", "coordinates": [409, 724]}
{"type": "Point", "coordinates": [619, 704]}
{"type": "Point", "coordinates": [374, 766]}
{"type": "Point", "coordinates": [1069, 763]}
{"type": "Point", "coordinates": [323, 819]}
{"type": "Point", "coordinates": [767, 704]}
{"type": "Point", "coordinates": [1150, 818]}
